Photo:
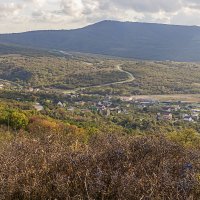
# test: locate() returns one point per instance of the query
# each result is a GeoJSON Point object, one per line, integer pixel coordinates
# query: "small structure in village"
{"type": "Point", "coordinates": [164, 116]}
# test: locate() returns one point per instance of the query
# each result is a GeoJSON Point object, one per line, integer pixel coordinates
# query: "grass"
{"type": "Point", "coordinates": [171, 97]}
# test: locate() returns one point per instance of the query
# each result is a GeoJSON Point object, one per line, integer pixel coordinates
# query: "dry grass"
{"type": "Point", "coordinates": [108, 167]}
{"type": "Point", "coordinates": [171, 97]}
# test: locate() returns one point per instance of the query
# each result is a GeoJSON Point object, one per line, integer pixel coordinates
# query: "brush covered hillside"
{"type": "Point", "coordinates": [124, 39]}
{"type": "Point", "coordinates": [44, 71]}
{"type": "Point", "coordinates": [58, 72]}
{"type": "Point", "coordinates": [47, 155]}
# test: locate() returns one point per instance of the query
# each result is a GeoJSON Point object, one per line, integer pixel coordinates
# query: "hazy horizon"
{"type": "Point", "coordinates": [28, 15]}
{"type": "Point", "coordinates": [66, 29]}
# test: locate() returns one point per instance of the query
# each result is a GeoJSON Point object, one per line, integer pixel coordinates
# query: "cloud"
{"type": "Point", "coordinates": [187, 16]}
{"type": "Point", "coordinates": [65, 14]}
{"type": "Point", "coordinates": [8, 9]}
{"type": "Point", "coordinates": [150, 6]}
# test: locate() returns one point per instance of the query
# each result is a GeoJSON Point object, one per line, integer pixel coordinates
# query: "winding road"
{"type": "Point", "coordinates": [10, 82]}
{"type": "Point", "coordinates": [130, 79]}
{"type": "Point", "coordinates": [118, 67]}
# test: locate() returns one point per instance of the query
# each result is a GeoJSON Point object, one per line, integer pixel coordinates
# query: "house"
{"type": "Point", "coordinates": [119, 111]}
{"type": "Point", "coordinates": [105, 112]}
{"type": "Point", "coordinates": [116, 109]}
{"type": "Point", "coordinates": [60, 104]}
{"type": "Point", "coordinates": [71, 109]}
{"type": "Point", "coordinates": [31, 89]}
{"type": "Point", "coordinates": [107, 103]}
{"type": "Point", "coordinates": [103, 108]}
{"type": "Point", "coordinates": [170, 108]}
{"type": "Point", "coordinates": [141, 106]}
{"type": "Point", "coordinates": [195, 116]}
{"type": "Point", "coordinates": [164, 116]}
{"type": "Point", "coordinates": [38, 107]}
{"type": "Point", "coordinates": [176, 108]}
{"type": "Point", "coordinates": [99, 103]}
{"type": "Point", "coordinates": [188, 118]}
{"type": "Point", "coordinates": [184, 115]}
{"type": "Point", "coordinates": [197, 110]}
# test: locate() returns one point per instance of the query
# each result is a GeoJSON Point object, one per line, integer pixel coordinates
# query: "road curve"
{"type": "Point", "coordinates": [11, 82]}
{"type": "Point", "coordinates": [118, 67]}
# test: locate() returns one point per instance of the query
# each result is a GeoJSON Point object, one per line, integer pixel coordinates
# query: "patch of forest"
{"type": "Point", "coordinates": [58, 72]}
{"type": "Point", "coordinates": [152, 78]}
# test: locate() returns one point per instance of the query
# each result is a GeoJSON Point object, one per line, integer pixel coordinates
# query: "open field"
{"type": "Point", "coordinates": [170, 97]}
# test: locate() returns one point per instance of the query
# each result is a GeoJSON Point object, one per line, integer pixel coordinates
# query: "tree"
{"type": "Point", "coordinates": [18, 120]}
{"type": "Point", "coordinates": [187, 138]}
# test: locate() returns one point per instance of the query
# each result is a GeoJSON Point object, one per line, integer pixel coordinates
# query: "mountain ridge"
{"type": "Point", "coordinates": [146, 41]}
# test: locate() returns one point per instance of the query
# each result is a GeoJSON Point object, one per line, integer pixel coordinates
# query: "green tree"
{"type": "Point", "coordinates": [18, 120]}
{"type": "Point", "coordinates": [186, 137]}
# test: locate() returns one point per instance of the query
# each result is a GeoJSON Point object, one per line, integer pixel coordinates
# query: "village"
{"type": "Point", "coordinates": [160, 110]}
{"type": "Point", "coordinates": [111, 105]}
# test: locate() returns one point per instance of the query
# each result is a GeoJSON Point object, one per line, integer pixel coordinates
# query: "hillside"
{"type": "Point", "coordinates": [58, 72]}
{"type": "Point", "coordinates": [124, 39]}
{"type": "Point", "coordinates": [6, 49]}
{"type": "Point", "coordinates": [100, 75]}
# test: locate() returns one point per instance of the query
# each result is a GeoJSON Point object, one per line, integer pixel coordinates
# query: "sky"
{"type": "Point", "coordinates": [26, 15]}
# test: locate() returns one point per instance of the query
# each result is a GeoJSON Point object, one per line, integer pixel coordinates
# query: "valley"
{"type": "Point", "coordinates": [97, 109]}
{"type": "Point", "coordinates": [91, 74]}
{"type": "Point", "coordinates": [57, 106]}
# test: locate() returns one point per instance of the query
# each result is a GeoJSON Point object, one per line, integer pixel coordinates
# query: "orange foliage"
{"type": "Point", "coordinates": [42, 125]}
{"type": "Point", "coordinates": [39, 127]}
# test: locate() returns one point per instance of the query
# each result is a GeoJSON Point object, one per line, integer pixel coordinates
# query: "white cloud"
{"type": "Point", "coordinates": [9, 9]}
{"type": "Point", "coordinates": [64, 14]}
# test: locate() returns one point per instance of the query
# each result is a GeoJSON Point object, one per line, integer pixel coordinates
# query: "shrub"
{"type": "Point", "coordinates": [108, 167]}
{"type": "Point", "coordinates": [18, 120]}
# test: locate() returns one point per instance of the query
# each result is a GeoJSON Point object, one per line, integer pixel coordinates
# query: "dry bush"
{"type": "Point", "coordinates": [108, 167]}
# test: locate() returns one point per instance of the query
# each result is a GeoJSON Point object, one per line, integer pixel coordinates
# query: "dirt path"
{"type": "Point", "coordinates": [11, 82]}
{"type": "Point", "coordinates": [118, 67]}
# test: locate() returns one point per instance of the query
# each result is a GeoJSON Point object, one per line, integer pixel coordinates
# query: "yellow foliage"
{"type": "Point", "coordinates": [187, 138]}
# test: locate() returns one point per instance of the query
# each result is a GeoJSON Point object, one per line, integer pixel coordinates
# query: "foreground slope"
{"type": "Point", "coordinates": [125, 39]}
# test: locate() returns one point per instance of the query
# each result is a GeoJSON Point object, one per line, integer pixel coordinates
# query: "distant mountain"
{"type": "Point", "coordinates": [124, 39]}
